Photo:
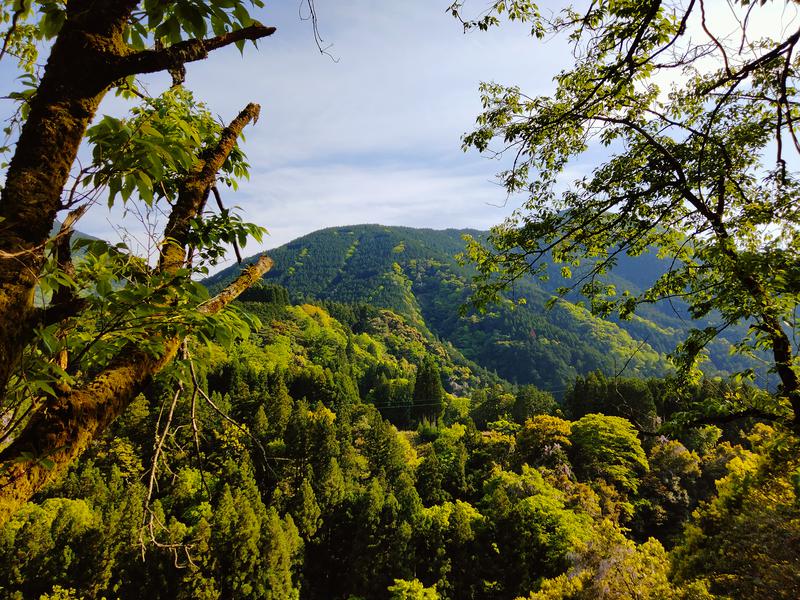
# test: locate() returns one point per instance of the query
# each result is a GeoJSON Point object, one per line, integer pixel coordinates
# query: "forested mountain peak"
{"type": "Point", "coordinates": [416, 273]}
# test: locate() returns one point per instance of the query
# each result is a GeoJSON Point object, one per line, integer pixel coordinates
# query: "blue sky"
{"type": "Point", "coordinates": [374, 137]}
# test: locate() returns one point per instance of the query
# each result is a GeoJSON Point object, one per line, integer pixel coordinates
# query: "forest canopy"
{"type": "Point", "coordinates": [167, 438]}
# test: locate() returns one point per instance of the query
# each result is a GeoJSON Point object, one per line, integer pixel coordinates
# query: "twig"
{"type": "Point", "coordinates": [157, 446]}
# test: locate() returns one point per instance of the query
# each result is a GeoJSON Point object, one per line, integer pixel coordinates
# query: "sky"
{"type": "Point", "coordinates": [373, 136]}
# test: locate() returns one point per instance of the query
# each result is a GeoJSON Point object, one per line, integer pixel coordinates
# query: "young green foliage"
{"type": "Point", "coordinates": [700, 154]}
{"type": "Point", "coordinates": [85, 326]}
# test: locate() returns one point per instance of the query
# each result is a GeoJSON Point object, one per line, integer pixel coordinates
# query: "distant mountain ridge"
{"type": "Point", "coordinates": [414, 273]}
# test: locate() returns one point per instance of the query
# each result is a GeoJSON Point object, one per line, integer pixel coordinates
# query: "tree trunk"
{"type": "Point", "coordinates": [87, 58]}
{"type": "Point", "coordinates": [75, 80]}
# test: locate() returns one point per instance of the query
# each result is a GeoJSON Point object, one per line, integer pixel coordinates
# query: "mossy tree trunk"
{"type": "Point", "coordinates": [56, 436]}
{"type": "Point", "coordinates": [88, 57]}
{"type": "Point", "coordinates": [76, 78]}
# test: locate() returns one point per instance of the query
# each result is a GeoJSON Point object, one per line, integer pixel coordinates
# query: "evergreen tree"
{"type": "Point", "coordinates": [279, 405]}
{"type": "Point", "coordinates": [531, 401]}
{"type": "Point", "coordinates": [430, 477]}
{"type": "Point", "coordinates": [428, 398]}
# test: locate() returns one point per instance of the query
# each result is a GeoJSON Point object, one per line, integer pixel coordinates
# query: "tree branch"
{"type": "Point", "coordinates": [194, 191]}
{"type": "Point", "coordinates": [57, 435]}
{"type": "Point", "coordinates": [218, 198]}
{"type": "Point", "coordinates": [151, 61]}
{"type": "Point", "coordinates": [247, 278]}
{"type": "Point", "coordinates": [74, 82]}
{"type": "Point", "coordinates": [62, 429]}
{"type": "Point", "coordinates": [64, 303]}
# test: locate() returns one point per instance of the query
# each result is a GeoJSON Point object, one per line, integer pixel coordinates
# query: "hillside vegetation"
{"type": "Point", "coordinates": [351, 456]}
{"type": "Point", "coordinates": [382, 416]}
{"type": "Point", "coordinates": [415, 273]}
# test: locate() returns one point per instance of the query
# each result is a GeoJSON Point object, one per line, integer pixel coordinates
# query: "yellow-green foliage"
{"type": "Point", "coordinates": [608, 447]}
{"type": "Point", "coordinates": [533, 498]}
{"type": "Point", "coordinates": [614, 340]}
{"type": "Point", "coordinates": [409, 452]}
{"type": "Point", "coordinates": [540, 431]}
{"type": "Point", "coordinates": [744, 542]}
{"type": "Point", "coordinates": [309, 337]}
{"type": "Point", "coordinates": [611, 567]}
{"type": "Point", "coordinates": [412, 590]}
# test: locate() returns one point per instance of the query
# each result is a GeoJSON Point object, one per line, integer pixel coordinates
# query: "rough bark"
{"type": "Point", "coordinates": [75, 80]}
{"type": "Point", "coordinates": [55, 437]}
{"type": "Point", "coordinates": [195, 190]}
{"type": "Point", "coordinates": [782, 353]}
{"type": "Point", "coordinates": [767, 315]}
{"type": "Point", "coordinates": [149, 61]}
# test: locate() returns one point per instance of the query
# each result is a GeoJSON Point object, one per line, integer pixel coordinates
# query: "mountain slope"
{"type": "Point", "coordinates": [414, 273]}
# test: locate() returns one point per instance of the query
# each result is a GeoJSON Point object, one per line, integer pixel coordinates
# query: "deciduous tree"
{"type": "Point", "coordinates": [80, 338]}
{"type": "Point", "coordinates": [697, 131]}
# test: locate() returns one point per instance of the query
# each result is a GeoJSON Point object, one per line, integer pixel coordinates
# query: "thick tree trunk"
{"type": "Point", "coordinates": [782, 353]}
{"type": "Point", "coordinates": [86, 59]}
{"type": "Point", "coordinates": [59, 432]}
{"type": "Point", "coordinates": [75, 80]}
{"type": "Point", "coordinates": [767, 315]}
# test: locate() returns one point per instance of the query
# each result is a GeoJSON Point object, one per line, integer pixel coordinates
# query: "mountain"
{"type": "Point", "coordinates": [414, 273]}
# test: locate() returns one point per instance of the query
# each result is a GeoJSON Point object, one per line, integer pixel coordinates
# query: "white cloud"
{"type": "Point", "coordinates": [299, 200]}
{"type": "Point", "coordinates": [374, 137]}
{"type": "Point", "coordinates": [406, 81]}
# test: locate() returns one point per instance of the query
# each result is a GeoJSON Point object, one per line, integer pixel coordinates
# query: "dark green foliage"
{"type": "Point", "coordinates": [414, 273]}
{"type": "Point", "coordinates": [428, 399]}
{"type": "Point", "coordinates": [491, 404]}
{"type": "Point", "coordinates": [532, 528]}
{"type": "Point", "coordinates": [668, 492]}
{"type": "Point", "coordinates": [531, 401]}
{"type": "Point", "coordinates": [429, 480]}
{"type": "Point", "coordinates": [620, 396]}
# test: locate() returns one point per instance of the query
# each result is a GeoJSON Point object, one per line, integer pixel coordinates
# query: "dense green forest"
{"type": "Point", "coordinates": [415, 273]}
{"type": "Point", "coordinates": [340, 452]}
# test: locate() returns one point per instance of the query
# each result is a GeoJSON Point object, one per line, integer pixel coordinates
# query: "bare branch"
{"type": "Point", "coordinates": [218, 198]}
{"type": "Point", "coordinates": [247, 278]}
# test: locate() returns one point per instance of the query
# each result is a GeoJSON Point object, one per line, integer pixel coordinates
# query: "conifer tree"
{"type": "Point", "coordinates": [428, 399]}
